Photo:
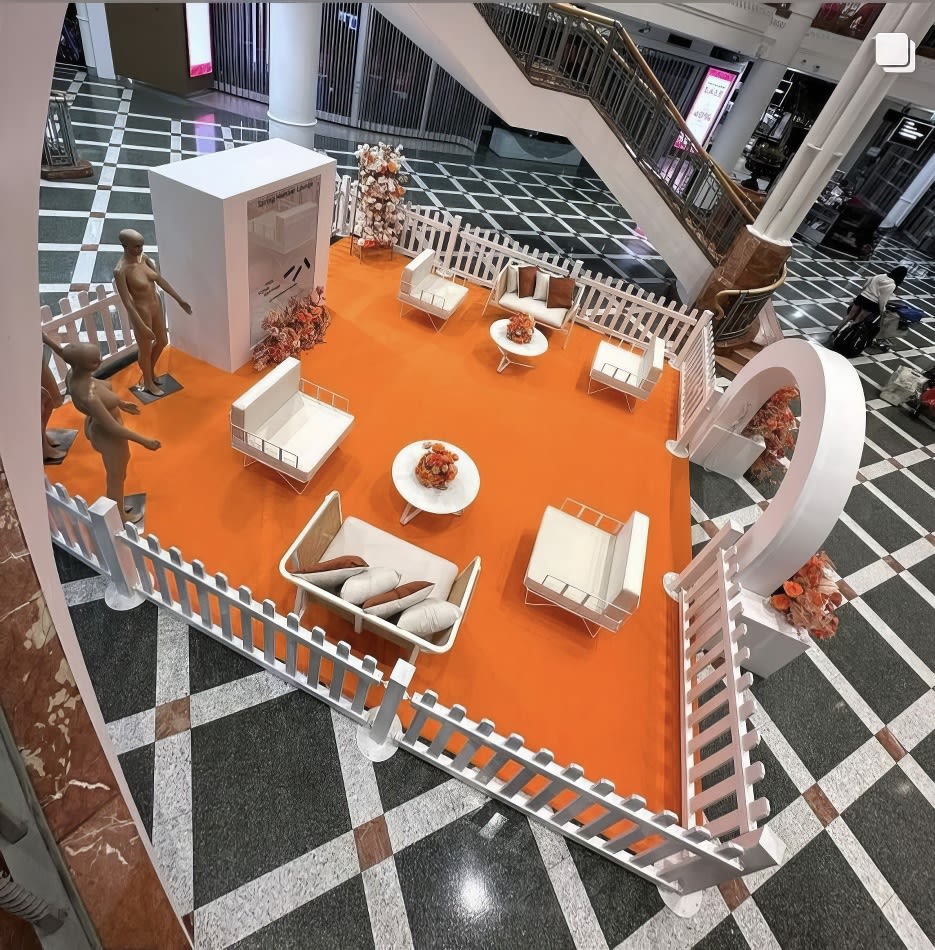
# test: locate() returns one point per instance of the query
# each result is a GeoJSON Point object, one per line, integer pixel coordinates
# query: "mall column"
{"type": "Point", "coordinates": [294, 43]}
{"type": "Point", "coordinates": [781, 42]}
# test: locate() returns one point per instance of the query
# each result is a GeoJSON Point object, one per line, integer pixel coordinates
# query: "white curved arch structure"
{"type": "Point", "coordinates": [825, 461]}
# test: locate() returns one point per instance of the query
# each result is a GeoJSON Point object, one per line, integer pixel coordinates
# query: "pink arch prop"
{"type": "Point", "coordinates": [823, 467]}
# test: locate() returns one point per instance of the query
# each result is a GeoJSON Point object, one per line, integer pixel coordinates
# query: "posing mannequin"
{"type": "Point", "coordinates": [103, 424]}
{"type": "Point", "coordinates": [136, 277]}
{"type": "Point", "coordinates": [51, 399]}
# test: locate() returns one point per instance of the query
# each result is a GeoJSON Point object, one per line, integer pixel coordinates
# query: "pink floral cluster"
{"type": "Point", "coordinates": [379, 194]}
{"type": "Point", "coordinates": [298, 326]}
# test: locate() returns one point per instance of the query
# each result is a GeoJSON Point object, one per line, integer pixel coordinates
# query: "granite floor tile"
{"type": "Point", "coordinates": [804, 911]}
{"type": "Point", "coordinates": [896, 826]}
{"type": "Point", "coordinates": [266, 788]}
{"type": "Point", "coordinates": [132, 177]}
{"type": "Point", "coordinates": [883, 435]}
{"type": "Point", "coordinates": [212, 664]}
{"type": "Point", "coordinates": [848, 552]}
{"type": "Point", "coordinates": [70, 568]}
{"type": "Point", "coordinates": [119, 649]}
{"type": "Point", "coordinates": [57, 267]}
{"type": "Point", "coordinates": [902, 610]}
{"type": "Point", "coordinates": [138, 768]}
{"type": "Point", "coordinates": [89, 133]}
{"type": "Point", "coordinates": [924, 753]}
{"type": "Point", "coordinates": [66, 199]}
{"type": "Point", "coordinates": [925, 471]}
{"type": "Point", "coordinates": [129, 202]}
{"type": "Point", "coordinates": [403, 777]}
{"type": "Point", "coordinates": [777, 788]}
{"type": "Point", "coordinates": [715, 494]}
{"type": "Point", "coordinates": [878, 520]}
{"type": "Point", "coordinates": [726, 936]}
{"type": "Point", "coordinates": [335, 921]}
{"type": "Point", "coordinates": [113, 226]}
{"type": "Point", "coordinates": [61, 230]}
{"type": "Point", "coordinates": [622, 901]}
{"type": "Point", "coordinates": [882, 677]}
{"type": "Point", "coordinates": [480, 882]}
{"type": "Point", "coordinates": [913, 427]}
{"type": "Point", "coordinates": [913, 500]}
{"type": "Point", "coordinates": [818, 724]}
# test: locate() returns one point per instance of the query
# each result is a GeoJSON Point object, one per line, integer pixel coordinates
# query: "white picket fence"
{"type": "Point", "coordinates": [698, 392]}
{"type": "Point", "coordinates": [100, 317]}
{"type": "Point", "coordinates": [345, 203]}
{"type": "Point", "coordinates": [678, 858]}
{"type": "Point", "coordinates": [608, 304]}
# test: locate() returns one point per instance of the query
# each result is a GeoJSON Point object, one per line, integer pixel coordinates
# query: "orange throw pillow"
{"type": "Point", "coordinates": [335, 564]}
{"type": "Point", "coordinates": [527, 281]}
{"type": "Point", "coordinates": [561, 291]}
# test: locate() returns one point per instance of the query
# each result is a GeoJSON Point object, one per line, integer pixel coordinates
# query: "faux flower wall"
{"type": "Point", "coordinates": [297, 326]}
{"type": "Point", "coordinates": [379, 218]}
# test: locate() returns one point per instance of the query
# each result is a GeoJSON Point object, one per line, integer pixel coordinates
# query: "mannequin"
{"type": "Point", "coordinates": [136, 277]}
{"type": "Point", "coordinates": [51, 399]}
{"type": "Point", "coordinates": [103, 425]}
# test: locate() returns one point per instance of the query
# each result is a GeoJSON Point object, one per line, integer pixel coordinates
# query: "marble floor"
{"type": "Point", "coordinates": [271, 829]}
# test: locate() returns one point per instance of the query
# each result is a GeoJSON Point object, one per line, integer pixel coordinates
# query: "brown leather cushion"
{"type": "Point", "coordinates": [527, 281]}
{"type": "Point", "coordinates": [398, 599]}
{"type": "Point", "coordinates": [334, 564]}
{"type": "Point", "coordinates": [561, 291]}
{"type": "Point", "coordinates": [397, 593]}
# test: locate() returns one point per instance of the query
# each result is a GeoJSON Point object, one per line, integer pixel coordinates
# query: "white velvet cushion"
{"type": "Point", "coordinates": [627, 563]}
{"type": "Point", "coordinates": [390, 608]}
{"type": "Point", "coordinates": [369, 583]}
{"type": "Point", "coordinates": [536, 309]}
{"type": "Point", "coordinates": [542, 287]}
{"type": "Point", "coordinates": [429, 617]}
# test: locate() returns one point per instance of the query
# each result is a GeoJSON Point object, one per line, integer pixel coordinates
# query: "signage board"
{"type": "Point", "coordinates": [709, 102]}
{"type": "Point", "coordinates": [198, 32]}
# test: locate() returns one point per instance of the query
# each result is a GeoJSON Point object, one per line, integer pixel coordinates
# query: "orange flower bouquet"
{"type": "Point", "coordinates": [519, 329]}
{"type": "Point", "coordinates": [776, 423]}
{"type": "Point", "coordinates": [436, 469]}
{"type": "Point", "coordinates": [810, 598]}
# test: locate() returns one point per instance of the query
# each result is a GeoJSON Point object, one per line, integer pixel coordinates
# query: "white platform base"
{"type": "Point", "coordinates": [682, 905]}
{"type": "Point", "coordinates": [673, 448]}
{"type": "Point", "coordinates": [772, 641]}
{"type": "Point", "coordinates": [117, 601]}
{"type": "Point", "coordinates": [728, 453]}
{"type": "Point", "coordinates": [378, 751]}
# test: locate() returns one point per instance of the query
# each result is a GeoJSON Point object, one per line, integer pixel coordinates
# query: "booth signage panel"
{"type": "Point", "coordinates": [198, 33]}
{"type": "Point", "coordinates": [708, 105]}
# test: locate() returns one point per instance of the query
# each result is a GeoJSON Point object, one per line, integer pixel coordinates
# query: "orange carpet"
{"type": "Point", "coordinates": [608, 703]}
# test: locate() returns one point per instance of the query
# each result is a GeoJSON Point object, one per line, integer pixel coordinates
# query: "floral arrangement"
{"type": "Point", "coordinates": [810, 598]}
{"type": "Point", "coordinates": [776, 423]}
{"type": "Point", "coordinates": [519, 329]}
{"type": "Point", "coordinates": [436, 469]}
{"type": "Point", "coordinates": [380, 190]}
{"type": "Point", "coordinates": [297, 326]}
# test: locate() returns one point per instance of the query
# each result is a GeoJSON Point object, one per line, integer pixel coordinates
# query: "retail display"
{"type": "Point", "coordinates": [329, 534]}
{"type": "Point", "coordinates": [289, 423]}
{"type": "Point", "coordinates": [509, 294]}
{"type": "Point", "coordinates": [422, 287]}
{"type": "Point", "coordinates": [590, 571]}
{"type": "Point", "coordinates": [631, 371]}
{"type": "Point", "coordinates": [104, 423]}
{"type": "Point", "coordinates": [136, 278]}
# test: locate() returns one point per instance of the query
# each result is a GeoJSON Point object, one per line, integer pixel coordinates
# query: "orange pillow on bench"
{"type": "Point", "coordinates": [561, 292]}
{"type": "Point", "coordinates": [527, 281]}
{"type": "Point", "coordinates": [398, 599]}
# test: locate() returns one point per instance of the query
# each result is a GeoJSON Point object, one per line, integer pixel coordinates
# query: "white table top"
{"type": "Point", "coordinates": [535, 347]}
{"type": "Point", "coordinates": [437, 501]}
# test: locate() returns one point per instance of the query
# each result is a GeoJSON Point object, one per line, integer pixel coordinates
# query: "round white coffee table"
{"type": "Point", "coordinates": [508, 349]}
{"type": "Point", "coordinates": [436, 501]}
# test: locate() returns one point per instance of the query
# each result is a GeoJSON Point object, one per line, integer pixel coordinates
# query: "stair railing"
{"type": "Point", "coordinates": [735, 310]}
{"type": "Point", "coordinates": [585, 54]}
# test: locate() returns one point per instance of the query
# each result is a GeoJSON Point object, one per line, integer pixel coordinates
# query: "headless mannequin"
{"type": "Point", "coordinates": [103, 423]}
{"type": "Point", "coordinates": [136, 278]}
{"type": "Point", "coordinates": [51, 399]}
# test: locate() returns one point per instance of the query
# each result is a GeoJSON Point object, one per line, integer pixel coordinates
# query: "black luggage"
{"type": "Point", "coordinates": [851, 339]}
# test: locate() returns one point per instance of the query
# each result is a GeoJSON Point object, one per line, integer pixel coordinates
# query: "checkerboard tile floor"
{"type": "Point", "coordinates": [273, 832]}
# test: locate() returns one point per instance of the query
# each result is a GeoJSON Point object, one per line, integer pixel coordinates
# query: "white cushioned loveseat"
{"type": "Point", "coordinates": [505, 294]}
{"type": "Point", "coordinates": [589, 563]}
{"type": "Point", "coordinates": [288, 423]}
{"type": "Point", "coordinates": [330, 535]}
{"type": "Point", "coordinates": [420, 287]}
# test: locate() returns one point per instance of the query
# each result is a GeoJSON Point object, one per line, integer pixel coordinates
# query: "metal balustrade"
{"type": "Point", "coordinates": [561, 47]}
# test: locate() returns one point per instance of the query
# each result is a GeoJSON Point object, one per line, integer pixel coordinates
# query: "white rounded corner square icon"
{"type": "Point", "coordinates": [895, 52]}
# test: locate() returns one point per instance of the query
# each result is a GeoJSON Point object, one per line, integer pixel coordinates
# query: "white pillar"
{"type": "Point", "coordinates": [862, 88]}
{"type": "Point", "coordinates": [907, 201]}
{"type": "Point", "coordinates": [95, 39]}
{"type": "Point", "coordinates": [781, 42]}
{"type": "Point", "coordinates": [294, 43]}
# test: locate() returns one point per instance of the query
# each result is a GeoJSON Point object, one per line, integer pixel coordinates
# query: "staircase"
{"type": "Point", "coordinates": [556, 68]}
{"type": "Point", "coordinates": [730, 362]}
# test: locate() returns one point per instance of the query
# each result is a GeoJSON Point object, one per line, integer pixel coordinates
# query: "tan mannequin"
{"type": "Point", "coordinates": [103, 425]}
{"type": "Point", "coordinates": [136, 277]}
{"type": "Point", "coordinates": [51, 399]}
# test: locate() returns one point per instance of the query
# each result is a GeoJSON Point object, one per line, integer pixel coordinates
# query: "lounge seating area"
{"type": "Point", "coordinates": [551, 299]}
{"type": "Point", "coordinates": [333, 550]}
{"type": "Point", "coordinates": [421, 288]}
{"type": "Point", "coordinates": [633, 372]}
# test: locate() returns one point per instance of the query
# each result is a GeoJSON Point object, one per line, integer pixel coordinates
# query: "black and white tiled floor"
{"type": "Point", "coordinates": [274, 832]}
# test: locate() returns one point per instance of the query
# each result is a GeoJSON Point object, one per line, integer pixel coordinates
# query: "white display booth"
{"type": "Point", "coordinates": [240, 233]}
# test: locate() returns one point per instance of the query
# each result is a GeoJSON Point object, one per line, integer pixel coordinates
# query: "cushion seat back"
{"type": "Point", "coordinates": [416, 272]}
{"type": "Point", "coordinates": [262, 400]}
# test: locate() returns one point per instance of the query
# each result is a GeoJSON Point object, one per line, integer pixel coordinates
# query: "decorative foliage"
{"type": "Point", "coordinates": [810, 597]}
{"type": "Point", "coordinates": [298, 326]}
{"type": "Point", "coordinates": [776, 423]}
{"type": "Point", "coordinates": [436, 469]}
{"type": "Point", "coordinates": [519, 329]}
{"type": "Point", "coordinates": [380, 190]}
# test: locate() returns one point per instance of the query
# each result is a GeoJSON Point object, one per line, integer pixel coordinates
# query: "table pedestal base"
{"type": "Point", "coordinates": [507, 360]}
{"type": "Point", "coordinates": [411, 511]}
